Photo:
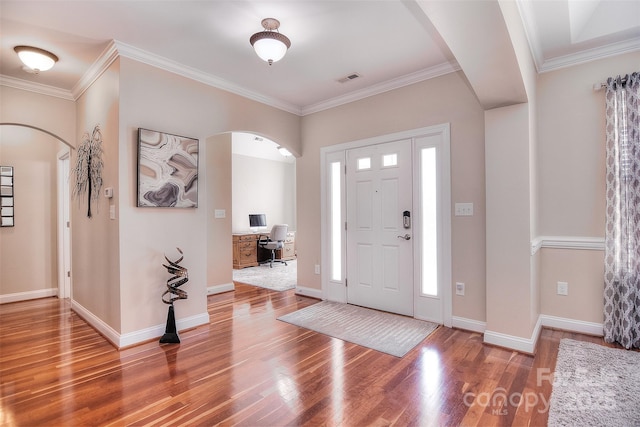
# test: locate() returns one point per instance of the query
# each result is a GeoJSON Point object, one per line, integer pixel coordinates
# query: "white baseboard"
{"type": "Point", "coordinates": [468, 324]}
{"type": "Point", "coordinates": [24, 296]}
{"type": "Point", "coordinates": [154, 332]}
{"type": "Point", "coordinates": [309, 292]}
{"type": "Point", "coordinates": [98, 324]}
{"type": "Point", "coordinates": [218, 289]}
{"type": "Point", "coordinates": [579, 326]}
{"type": "Point", "coordinates": [136, 337]}
{"type": "Point", "coordinates": [524, 345]}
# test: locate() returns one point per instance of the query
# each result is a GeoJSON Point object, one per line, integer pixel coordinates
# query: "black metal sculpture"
{"type": "Point", "coordinates": [179, 278]}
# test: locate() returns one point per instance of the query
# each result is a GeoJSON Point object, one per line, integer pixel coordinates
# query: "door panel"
{"type": "Point", "coordinates": [379, 262]}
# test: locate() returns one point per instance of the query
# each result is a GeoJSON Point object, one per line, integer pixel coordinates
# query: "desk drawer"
{"type": "Point", "coordinates": [247, 245]}
{"type": "Point", "coordinates": [247, 256]}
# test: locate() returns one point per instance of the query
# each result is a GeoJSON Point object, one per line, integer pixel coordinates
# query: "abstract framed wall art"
{"type": "Point", "coordinates": [167, 170]}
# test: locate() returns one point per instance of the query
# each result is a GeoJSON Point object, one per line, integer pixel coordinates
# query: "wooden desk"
{"type": "Point", "coordinates": [246, 253]}
{"type": "Point", "coordinates": [245, 250]}
{"type": "Point", "coordinates": [288, 253]}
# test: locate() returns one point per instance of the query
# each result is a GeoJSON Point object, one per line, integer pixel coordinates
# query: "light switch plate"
{"type": "Point", "coordinates": [220, 213]}
{"type": "Point", "coordinates": [563, 288]}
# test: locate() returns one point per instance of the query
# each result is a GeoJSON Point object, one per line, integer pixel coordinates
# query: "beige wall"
{"type": "Point", "coordinates": [571, 147]}
{"type": "Point", "coordinates": [263, 186]}
{"type": "Point", "coordinates": [440, 100]}
{"type": "Point", "coordinates": [218, 166]}
{"type": "Point", "coordinates": [510, 145]}
{"type": "Point", "coordinates": [55, 115]}
{"type": "Point", "coordinates": [508, 221]}
{"type": "Point", "coordinates": [95, 241]}
{"type": "Point", "coordinates": [28, 251]}
{"type": "Point", "coordinates": [583, 271]}
{"type": "Point", "coordinates": [155, 99]}
{"type": "Point", "coordinates": [572, 186]}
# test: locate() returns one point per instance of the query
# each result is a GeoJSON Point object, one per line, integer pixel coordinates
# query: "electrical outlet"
{"type": "Point", "coordinates": [464, 209]}
{"type": "Point", "coordinates": [563, 288]}
{"type": "Point", "coordinates": [317, 269]}
{"type": "Point", "coordinates": [459, 288]}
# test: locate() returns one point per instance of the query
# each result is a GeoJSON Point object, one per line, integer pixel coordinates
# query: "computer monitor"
{"type": "Point", "coordinates": [257, 221]}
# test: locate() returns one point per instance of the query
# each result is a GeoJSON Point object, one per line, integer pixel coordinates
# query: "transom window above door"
{"type": "Point", "coordinates": [389, 160]}
{"type": "Point", "coordinates": [364, 163]}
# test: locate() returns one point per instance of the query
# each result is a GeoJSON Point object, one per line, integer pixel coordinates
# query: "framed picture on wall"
{"type": "Point", "coordinates": [6, 196]}
{"type": "Point", "coordinates": [167, 170]}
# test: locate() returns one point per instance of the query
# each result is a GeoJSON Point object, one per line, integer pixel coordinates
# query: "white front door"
{"type": "Point", "coordinates": [379, 242]}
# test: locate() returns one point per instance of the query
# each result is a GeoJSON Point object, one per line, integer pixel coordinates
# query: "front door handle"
{"type": "Point", "coordinates": [405, 237]}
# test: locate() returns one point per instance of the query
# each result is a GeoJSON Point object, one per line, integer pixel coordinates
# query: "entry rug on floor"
{"type": "Point", "coordinates": [279, 278]}
{"type": "Point", "coordinates": [595, 385]}
{"type": "Point", "coordinates": [389, 333]}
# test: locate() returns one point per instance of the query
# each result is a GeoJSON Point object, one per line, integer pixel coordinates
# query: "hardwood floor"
{"type": "Point", "coordinates": [247, 368]}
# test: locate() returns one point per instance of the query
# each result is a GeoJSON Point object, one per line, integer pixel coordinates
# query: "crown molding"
{"type": "Point", "coordinates": [143, 56]}
{"type": "Point", "coordinates": [559, 62]}
{"type": "Point", "coordinates": [588, 55]}
{"type": "Point", "coordinates": [116, 48]}
{"type": "Point", "coordinates": [100, 65]}
{"type": "Point", "coordinates": [418, 76]}
{"type": "Point", "coordinates": [122, 49]}
{"type": "Point", "coordinates": [36, 87]}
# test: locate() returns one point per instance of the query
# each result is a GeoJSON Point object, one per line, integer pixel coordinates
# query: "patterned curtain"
{"type": "Point", "coordinates": [622, 234]}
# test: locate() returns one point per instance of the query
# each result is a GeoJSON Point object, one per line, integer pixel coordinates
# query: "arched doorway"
{"type": "Point", "coordinates": [240, 180]}
{"type": "Point", "coordinates": [30, 250]}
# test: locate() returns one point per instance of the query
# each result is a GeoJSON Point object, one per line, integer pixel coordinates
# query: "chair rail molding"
{"type": "Point", "coordinates": [567, 242]}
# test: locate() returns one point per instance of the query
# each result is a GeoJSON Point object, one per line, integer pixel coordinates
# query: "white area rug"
{"type": "Point", "coordinates": [279, 278]}
{"type": "Point", "coordinates": [595, 385]}
{"type": "Point", "coordinates": [389, 333]}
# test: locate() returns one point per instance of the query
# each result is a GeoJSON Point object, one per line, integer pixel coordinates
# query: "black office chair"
{"type": "Point", "coordinates": [273, 242]}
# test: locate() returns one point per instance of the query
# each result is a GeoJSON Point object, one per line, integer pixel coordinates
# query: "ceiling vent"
{"type": "Point", "coordinates": [350, 77]}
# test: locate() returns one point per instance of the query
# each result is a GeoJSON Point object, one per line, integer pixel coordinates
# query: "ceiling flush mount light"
{"type": "Point", "coordinates": [270, 45]}
{"type": "Point", "coordinates": [35, 59]}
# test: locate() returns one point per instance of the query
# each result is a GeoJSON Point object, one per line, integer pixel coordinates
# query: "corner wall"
{"type": "Point", "coordinates": [95, 241]}
{"type": "Point", "coordinates": [218, 165]}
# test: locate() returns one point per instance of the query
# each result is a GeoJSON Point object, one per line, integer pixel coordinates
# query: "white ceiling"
{"type": "Point", "coordinates": [390, 43]}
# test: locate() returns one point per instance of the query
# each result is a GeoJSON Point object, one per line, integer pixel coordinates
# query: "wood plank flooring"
{"type": "Point", "coordinates": [247, 368]}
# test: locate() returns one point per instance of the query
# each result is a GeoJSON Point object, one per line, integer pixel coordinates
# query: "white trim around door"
{"type": "Point", "coordinates": [64, 230]}
{"type": "Point", "coordinates": [436, 308]}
